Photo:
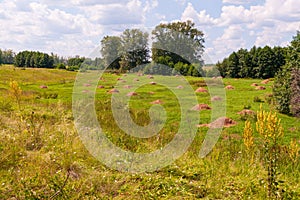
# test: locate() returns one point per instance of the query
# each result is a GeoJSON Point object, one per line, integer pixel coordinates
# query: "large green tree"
{"type": "Point", "coordinates": [134, 49]}
{"type": "Point", "coordinates": [110, 51]}
{"type": "Point", "coordinates": [7, 56]}
{"type": "Point", "coordinates": [245, 62]}
{"type": "Point", "coordinates": [180, 41]}
{"type": "Point", "coordinates": [266, 63]}
{"type": "Point", "coordinates": [233, 65]}
{"type": "Point", "coordinates": [287, 82]}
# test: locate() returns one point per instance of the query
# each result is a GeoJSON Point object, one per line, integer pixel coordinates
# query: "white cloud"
{"type": "Point", "coordinates": [233, 15]}
{"type": "Point", "coordinates": [181, 2]}
{"type": "Point", "coordinates": [150, 5]}
{"type": "Point", "coordinates": [67, 27]}
{"type": "Point", "coordinates": [231, 40]}
{"type": "Point", "coordinates": [160, 17]}
{"type": "Point", "coordinates": [267, 24]}
{"type": "Point", "coordinates": [267, 37]}
{"type": "Point", "coordinates": [200, 18]}
{"type": "Point", "coordinates": [117, 13]}
{"type": "Point", "coordinates": [237, 1]}
{"type": "Point", "coordinates": [70, 27]}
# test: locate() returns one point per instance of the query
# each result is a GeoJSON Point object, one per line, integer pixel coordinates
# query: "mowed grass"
{"type": "Point", "coordinates": [42, 156]}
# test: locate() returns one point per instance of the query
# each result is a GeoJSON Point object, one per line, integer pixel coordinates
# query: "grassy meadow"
{"type": "Point", "coordinates": [42, 155]}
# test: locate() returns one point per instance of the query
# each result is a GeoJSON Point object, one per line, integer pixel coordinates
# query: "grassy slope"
{"type": "Point", "coordinates": [43, 157]}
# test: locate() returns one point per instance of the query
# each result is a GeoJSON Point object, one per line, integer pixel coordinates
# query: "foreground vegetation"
{"type": "Point", "coordinates": [42, 156]}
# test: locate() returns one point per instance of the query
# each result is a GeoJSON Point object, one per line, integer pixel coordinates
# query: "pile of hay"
{"type": "Point", "coordinates": [229, 87]}
{"type": "Point", "coordinates": [130, 94]}
{"type": "Point", "coordinates": [113, 91]}
{"type": "Point", "coordinates": [127, 86]}
{"type": "Point", "coordinates": [157, 102]}
{"type": "Point", "coordinates": [151, 77]}
{"type": "Point", "coordinates": [246, 112]}
{"type": "Point", "coordinates": [201, 107]}
{"type": "Point", "coordinates": [200, 89]}
{"type": "Point", "coordinates": [260, 88]}
{"type": "Point", "coordinates": [265, 81]}
{"type": "Point", "coordinates": [216, 98]}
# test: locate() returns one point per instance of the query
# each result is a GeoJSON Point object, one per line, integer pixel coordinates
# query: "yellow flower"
{"type": "Point", "coordinates": [248, 135]}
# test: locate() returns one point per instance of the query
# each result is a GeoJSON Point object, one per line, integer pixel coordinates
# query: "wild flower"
{"type": "Point", "coordinates": [248, 136]}
{"type": "Point", "coordinates": [293, 150]}
{"type": "Point", "coordinates": [15, 91]}
{"type": "Point", "coordinates": [269, 126]}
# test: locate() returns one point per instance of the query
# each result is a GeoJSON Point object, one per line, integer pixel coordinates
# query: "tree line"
{"type": "Point", "coordinates": [178, 45]}
{"type": "Point", "coordinates": [36, 59]}
{"type": "Point", "coordinates": [257, 62]}
{"type": "Point", "coordinates": [33, 59]}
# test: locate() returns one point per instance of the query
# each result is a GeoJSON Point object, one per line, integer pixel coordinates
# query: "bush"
{"type": "Point", "coordinates": [286, 85]}
{"type": "Point", "coordinates": [257, 100]}
{"type": "Point", "coordinates": [295, 95]}
{"type": "Point", "coordinates": [73, 68]}
{"type": "Point", "coordinates": [60, 66]}
{"type": "Point", "coordinates": [282, 91]}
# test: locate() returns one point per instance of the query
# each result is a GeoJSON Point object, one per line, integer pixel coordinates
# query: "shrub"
{"type": "Point", "coordinates": [295, 93]}
{"type": "Point", "coordinates": [282, 91]}
{"type": "Point", "coordinates": [60, 66]}
{"type": "Point", "coordinates": [257, 99]}
{"type": "Point", "coordinates": [269, 98]}
{"type": "Point", "coordinates": [286, 85]}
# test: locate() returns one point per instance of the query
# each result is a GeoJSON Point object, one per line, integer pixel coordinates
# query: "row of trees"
{"type": "Point", "coordinates": [6, 56]}
{"type": "Point", "coordinates": [256, 63]}
{"type": "Point", "coordinates": [178, 45]}
{"type": "Point", "coordinates": [33, 59]}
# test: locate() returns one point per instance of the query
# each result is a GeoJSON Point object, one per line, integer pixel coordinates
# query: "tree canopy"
{"type": "Point", "coordinates": [256, 63]}
{"type": "Point", "coordinates": [110, 51]}
{"type": "Point", "coordinates": [33, 59]}
{"type": "Point", "coordinates": [287, 82]}
{"type": "Point", "coordinates": [134, 50]}
{"type": "Point", "coordinates": [177, 42]}
{"type": "Point", "coordinates": [7, 56]}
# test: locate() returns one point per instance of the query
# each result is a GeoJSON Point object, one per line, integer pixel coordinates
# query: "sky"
{"type": "Point", "coordinates": [76, 27]}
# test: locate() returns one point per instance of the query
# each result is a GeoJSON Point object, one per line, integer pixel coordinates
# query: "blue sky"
{"type": "Point", "coordinates": [76, 27]}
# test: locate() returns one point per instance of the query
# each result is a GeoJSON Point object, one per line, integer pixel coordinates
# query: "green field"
{"type": "Point", "coordinates": [42, 155]}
